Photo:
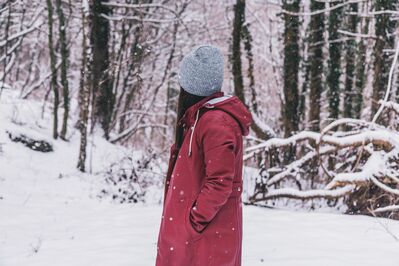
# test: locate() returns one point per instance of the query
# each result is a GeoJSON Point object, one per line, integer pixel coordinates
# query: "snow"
{"type": "Point", "coordinates": [375, 164]}
{"type": "Point", "coordinates": [85, 6]}
{"type": "Point", "coordinates": [314, 193]}
{"type": "Point", "coordinates": [85, 232]}
{"type": "Point", "coordinates": [388, 208]}
{"type": "Point", "coordinates": [388, 104]}
{"type": "Point", "coordinates": [50, 213]}
{"type": "Point", "coordinates": [367, 136]}
{"type": "Point", "coordinates": [263, 126]}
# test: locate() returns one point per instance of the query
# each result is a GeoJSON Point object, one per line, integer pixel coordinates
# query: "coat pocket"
{"type": "Point", "coordinates": [193, 234]}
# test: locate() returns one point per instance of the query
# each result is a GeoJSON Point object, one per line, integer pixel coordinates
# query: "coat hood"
{"type": "Point", "coordinates": [230, 104]}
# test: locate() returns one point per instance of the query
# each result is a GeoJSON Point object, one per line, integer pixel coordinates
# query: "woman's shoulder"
{"type": "Point", "coordinates": [217, 119]}
{"type": "Point", "coordinates": [216, 115]}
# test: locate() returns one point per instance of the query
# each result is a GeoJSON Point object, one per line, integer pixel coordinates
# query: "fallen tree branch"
{"type": "Point", "coordinates": [376, 137]}
{"type": "Point", "coordinates": [308, 194]}
{"type": "Point", "coordinates": [384, 187]}
{"type": "Point", "coordinates": [293, 168]}
{"type": "Point", "coordinates": [390, 105]}
{"type": "Point", "coordinates": [387, 209]}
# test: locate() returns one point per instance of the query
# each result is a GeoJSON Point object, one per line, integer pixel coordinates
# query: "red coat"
{"type": "Point", "coordinates": [202, 213]}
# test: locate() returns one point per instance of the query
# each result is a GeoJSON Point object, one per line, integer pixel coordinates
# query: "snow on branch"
{"type": "Point", "coordinates": [377, 137]}
{"type": "Point", "coordinates": [137, 18]}
{"type": "Point", "coordinates": [309, 194]}
{"type": "Point", "coordinates": [388, 209]}
{"type": "Point", "coordinates": [389, 86]}
{"type": "Point", "coordinates": [361, 155]}
{"type": "Point", "coordinates": [19, 34]}
{"type": "Point", "coordinates": [322, 11]}
{"type": "Point", "coordinates": [355, 34]}
{"type": "Point", "coordinates": [264, 127]}
{"type": "Point", "coordinates": [374, 166]}
{"type": "Point", "coordinates": [140, 6]}
{"type": "Point", "coordinates": [294, 168]}
{"type": "Point", "coordinates": [390, 105]}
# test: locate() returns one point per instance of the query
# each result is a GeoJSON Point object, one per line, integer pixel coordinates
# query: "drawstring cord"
{"type": "Point", "coordinates": [192, 132]}
{"type": "Point", "coordinates": [193, 127]}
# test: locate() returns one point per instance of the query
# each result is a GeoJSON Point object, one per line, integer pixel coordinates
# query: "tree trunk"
{"type": "Point", "coordinates": [64, 68]}
{"type": "Point", "coordinates": [103, 98]}
{"type": "Point", "coordinates": [136, 57]}
{"type": "Point", "coordinates": [350, 59]}
{"type": "Point", "coordinates": [334, 61]}
{"type": "Point", "coordinates": [360, 70]}
{"type": "Point", "coordinates": [119, 58]}
{"type": "Point", "coordinates": [53, 68]}
{"type": "Point", "coordinates": [316, 64]}
{"type": "Point", "coordinates": [6, 35]}
{"type": "Point", "coordinates": [291, 68]}
{"type": "Point", "coordinates": [84, 91]}
{"type": "Point", "coordinates": [239, 19]}
{"type": "Point", "coordinates": [304, 69]}
{"type": "Point", "coordinates": [384, 29]}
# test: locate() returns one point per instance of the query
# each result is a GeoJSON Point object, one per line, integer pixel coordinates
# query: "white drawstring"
{"type": "Point", "coordinates": [192, 132]}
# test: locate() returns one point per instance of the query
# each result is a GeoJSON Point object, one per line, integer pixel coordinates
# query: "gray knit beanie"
{"type": "Point", "coordinates": [201, 71]}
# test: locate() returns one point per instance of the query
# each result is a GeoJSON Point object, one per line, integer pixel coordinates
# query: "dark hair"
{"type": "Point", "coordinates": [186, 100]}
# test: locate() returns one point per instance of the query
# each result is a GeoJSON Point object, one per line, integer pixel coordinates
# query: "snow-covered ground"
{"type": "Point", "coordinates": [67, 231]}
{"type": "Point", "coordinates": [50, 215]}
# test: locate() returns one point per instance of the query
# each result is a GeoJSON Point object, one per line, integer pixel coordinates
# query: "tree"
{"type": "Point", "coordinates": [6, 35]}
{"type": "Point", "coordinates": [137, 55]}
{"type": "Point", "coordinates": [53, 68]}
{"type": "Point", "coordinates": [316, 63]}
{"type": "Point", "coordinates": [103, 97]}
{"type": "Point", "coordinates": [291, 68]}
{"type": "Point", "coordinates": [239, 19]}
{"type": "Point", "coordinates": [350, 59]}
{"type": "Point", "coordinates": [247, 39]}
{"type": "Point", "coordinates": [64, 67]}
{"type": "Point", "coordinates": [360, 69]}
{"type": "Point", "coordinates": [384, 28]}
{"type": "Point", "coordinates": [334, 60]}
{"type": "Point", "coordinates": [84, 90]}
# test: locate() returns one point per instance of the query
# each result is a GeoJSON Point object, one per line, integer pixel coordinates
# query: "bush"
{"type": "Point", "coordinates": [129, 179]}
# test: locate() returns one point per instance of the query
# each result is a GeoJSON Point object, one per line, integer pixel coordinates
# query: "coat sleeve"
{"type": "Point", "coordinates": [219, 142]}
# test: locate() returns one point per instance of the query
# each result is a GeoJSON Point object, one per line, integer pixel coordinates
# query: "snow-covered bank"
{"type": "Point", "coordinates": [284, 238]}
{"type": "Point", "coordinates": [89, 233]}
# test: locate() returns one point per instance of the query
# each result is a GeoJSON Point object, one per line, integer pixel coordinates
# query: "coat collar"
{"type": "Point", "coordinates": [189, 115]}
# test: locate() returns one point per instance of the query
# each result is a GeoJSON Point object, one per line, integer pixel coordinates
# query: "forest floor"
{"type": "Point", "coordinates": [51, 215]}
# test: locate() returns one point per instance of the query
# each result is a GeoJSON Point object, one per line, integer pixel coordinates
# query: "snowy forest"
{"type": "Point", "coordinates": [88, 110]}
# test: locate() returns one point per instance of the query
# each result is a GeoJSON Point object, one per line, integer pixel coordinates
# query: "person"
{"type": "Point", "coordinates": [201, 222]}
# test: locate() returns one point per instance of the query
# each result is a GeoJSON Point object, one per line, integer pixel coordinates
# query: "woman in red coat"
{"type": "Point", "coordinates": [202, 212]}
